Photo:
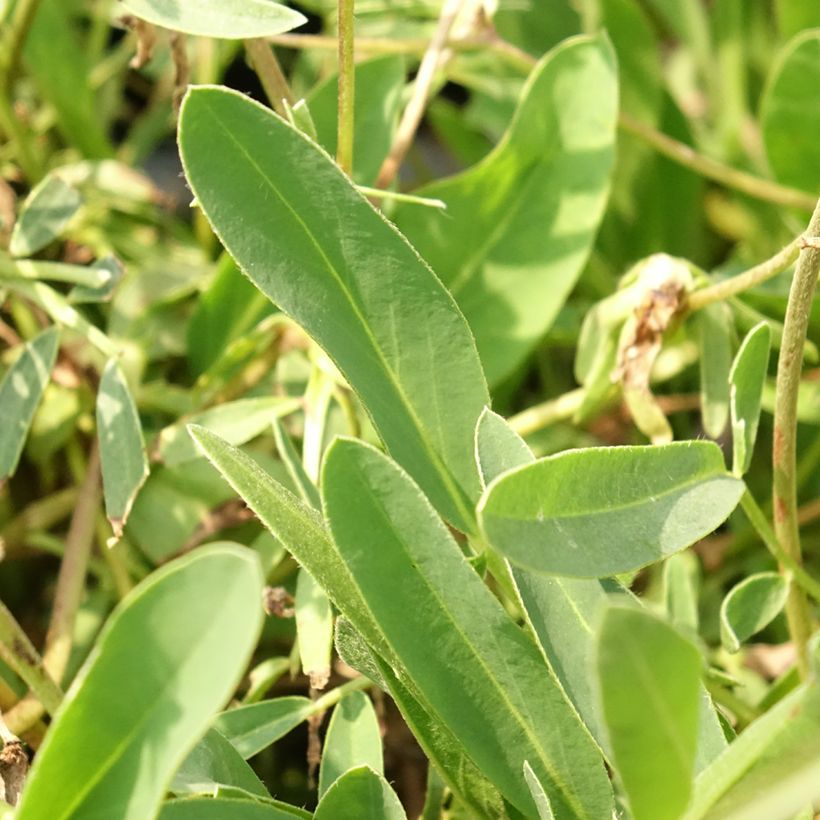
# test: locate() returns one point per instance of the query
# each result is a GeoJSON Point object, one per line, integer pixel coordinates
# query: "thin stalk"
{"type": "Point", "coordinates": [11, 47]}
{"type": "Point", "coordinates": [73, 570]}
{"type": "Point", "coordinates": [746, 280]}
{"type": "Point", "coordinates": [743, 712]}
{"type": "Point", "coordinates": [712, 169]}
{"type": "Point", "coordinates": [270, 74]}
{"type": "Point", "coordinates": [332, 697]}
{"type": "Point", "coordinates": [410, 199]}
{"type": "Point", "coordinates": [543, 415]}
{"type": "Point", "coordinates": [347, 86]}
{"type": "Point", "coordinates": [39, 515]}
{"type": "Point", "coordinates": [19, 653]}
{"type": "Point", "coordinates": [784, 451]}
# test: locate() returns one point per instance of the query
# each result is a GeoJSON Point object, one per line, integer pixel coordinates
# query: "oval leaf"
{"type": "Point", "coordinates": [229, 19]}
{"type": "Point", "coordinates": [45, 213]}
{"type": "Point", "coordinates": [280, 205]}
{"type": "Point", "coordinates": [360, 793]}
{"type": "Point", "coordinates": [750, 606]}
{"type": "Point", "coordinates": [606, 510]}
{"type": "Point", "coordinates": [148, 687]}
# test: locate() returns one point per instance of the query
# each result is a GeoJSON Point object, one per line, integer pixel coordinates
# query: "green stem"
{"type": "Point", "coordinates": [746, 280]}
{"type": "Point", "coordinates": [17, 27]}
{"type": "Point", "coordinates": [347, 86]}
{"type": "Point", "coordinates": [784, 452]}
{"type": "Point", "coordinates": [743, 712]}
{"type": "Point", "coordinates": [270, 74]}
{"type": "Point", "coordinates": [543, 415]}
{"type": "Point", "coordinates": [19, 653]}
{"type": "Point", "coordinates": [39, 515]}
{"type": "Point", "coordinates": [324, 703]}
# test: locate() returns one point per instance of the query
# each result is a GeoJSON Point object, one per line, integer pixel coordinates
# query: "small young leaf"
{"type": "Point", "coordinates": [20, 392]}
{"type": "Point", "coordinates": [714, 329]}
{"type": "Point", "coordinates": [148, 685]}
{"type": "Point", "coordinates": [360, 793]}
{"type": "Point", "coordinates": [314, 628]}
{"type": "Point", "coordinates": [122, 452]}
{"type": "Point", "coordinates": [353, 739]}
{"type": "Point", "coordinates": [44, 215]}
{"type": "Point", "coordinates": [228, 19]}
{"type": "Point", "coordinates": [650, 690]}
{"type": "Point", "coordinates": [605, 510]}
{"type": "Point", "coordinates": [750, 606]}
{"type": "Point", "coordinates": [747, 379]}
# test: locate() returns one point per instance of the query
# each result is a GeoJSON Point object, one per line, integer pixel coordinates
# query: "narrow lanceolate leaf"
{"type": "Point", "coordinates": [353, 739]}
{"type": "Point", "coordinates": [750, 606]}
{"type": "Point", "coordinates": [605, 510]}
{"type": "Point", "coordinates": [214, 763]}
{"type": "Point", "coordinates": [747, 379]}
{"type": "Point", "coordinates": [650, 688]}
{"type": "Point", "coordinates": [790, 115]}
{"type": "Point", "coordinates": [254, 727]}
{"type": "Point", "coordinates": [513, 709]}
{"type": "Point", "coordinates": [714, 329]}
{"type": "Point", "coordinates": [122, 452]}
{"type": "Point", "coordinates": [44, 215]}
{"type": "Point", "coordinates": [280, 205]}
{"type": "Point", "coordinates": [360, 793]}
{"type": "Point", "coordinates": [147, 686]}
{"type": "Point", "coordinates": [229, 19]}
{"type": "Point", "coordinates": [20, 393]}
{"type": "Point", "coordinates": [296, 470]}
{"type": "Point", "coordinates": [519, 225]}
{"type": "Point", "coordinates": [222, 808]}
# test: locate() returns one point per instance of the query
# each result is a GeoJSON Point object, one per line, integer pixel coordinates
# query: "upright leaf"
{"type": "Point", "coordinates": [513, 709]}
{"type": "Point", "coordinates": [650, 681]}
{"type": "Point", "coordinates": [122, 452]}
{"type": "Point", "coordinates": [353, 739]}
{"type": "Point", "coordinates": [747, 379]}
{"type": "Point", "coordinates": [750, 606]}
{"type": "Point", "coordinates": [519, 226]}
{"type": "Point", "coordinates": [314, 628]}
{"type": "Point", "coordinates": [45, 213]}
{"type": "Point", "coordinates": [148, 692]}
{"type": "Point", "coordinates": [229, 19]}
{"type": "Point", "coordinates": [20, 392]}
{"type": "Point", "coordinates": [359, 793]}
{"type": "Point", "coordinates": [714, 329]}
{"type": "Point", "coordinates": [280, 205]}
{"type": "Point", "coordinates": [605, 510]}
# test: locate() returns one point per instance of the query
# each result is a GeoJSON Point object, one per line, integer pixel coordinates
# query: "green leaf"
{"type": "Point", "coordinates": [228, 19]}
{"type": "Point", "coordinates": [149, 687]}
{"type": "Point", "coordinates": [227, 809]}
{"type": "Point", "coordinates": [236, 421]}
{"type": "Point", "coordinates": [650, 689]}
{"type": "Point", "coordinates": [256, 726]}
{"type": "Point", "coordinates": [290, 458]}
{"type": "Point", "coordinates": [747, 379]}
{"type": "Point", "coordinates": [790, 113]}
{"type": "Point", "coordinates": [379, 84]}
{"type": "Point", "coordinates": [360, 793]}
{"type": "Point", "coordinates": [498, 448]}
{"type": "Point", "coordinates": [385, 528]}
{"type": "Point", "coordinates": [215, 762]}
{"type": "Point", "coordinates": [539, 796]}
{"type": "Point", "coordinates": [44, 215]}
{"type": "Point", "coordinates": [680, 588]}
{"type": "Point", "coordinates": [314, 629]}
{"type": "Point", "coordinates": [714, 337]}
{"type": "Point", "coordinates": [20, 392]}
{"type": "Point", "coordinates": [353, 739]}
{"type": "Point", "coordinates": [750, 606]}
{"type": "Point", "coordinates": [280, 204]}
{"type": "Point", "coordinates": [795, 15]}
{"type": "Point", "coordinates": [519, 226]}
{"type": "Point", "coordinates": [606, 510]}
{"type": "Point", "coordinates": [122, 452]}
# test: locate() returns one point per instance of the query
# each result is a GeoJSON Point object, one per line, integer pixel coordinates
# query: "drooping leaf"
{"type": "Point", "coordinates": [384, 528]}
{"type": "Point", "coordinates": [281, 205]}
{"type": "Point", "coordinates": [601, 511]}
{"type": "Point", "coordinates": [147, 686]}
{"type": "Point", "coordinates": [352, 739]}
{"type": "Point", "coordinates": [790, 113]}
{"type": "Point", "coordinates": [20, 392]}
{"type": "Point", "coordinates": [747, 379]}
{"type": "Point", "coordinates": [44, 214]}
{"type": "Point", "coordinates": [519, 225]}
{"type": "Point", "coordinates": [750, 606]}
{"type": "Point", "coordinates": [650, 680]}
{"type": "Point", "coordinates": [229, 19]}
{"type": "Point", "coordinates": [714, 326]}
{"type": "Point", "coordinates": [359, 793]}
{"type": "Point", "coordinates": [227, 808]}
{"type": "Point", "coordinates": [212, 763]}
{"type": "Point", "coordinates": [122, 452]}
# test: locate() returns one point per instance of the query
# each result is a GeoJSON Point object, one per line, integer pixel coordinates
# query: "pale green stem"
{"type": "Point", "coordinates": [270, 74]}
{"type": "Point", "coordinates": [410, 199]}
{"type": "Point", "coordinates": [784, 452]}
{"type": "Point", "coordinates": [347, 86]}
{"type": "Point", "coordinates": [543, 415]}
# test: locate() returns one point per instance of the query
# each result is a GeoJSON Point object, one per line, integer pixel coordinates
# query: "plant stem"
{"type": "Point", "coordinates": [332, 697]}
{"type": "Point", "coordinates": [347, 86]}
{"type": "Point", "coordinates": [542, 415]}
{"type": "Point", "coordinates": [746, 280]}
{"type": "Point", "coordinates": [434, 57]}
{"type": "Point", "coordinates": [270, 74]}
{"type": "Point", "coordinates": [712, 169]}
{"type": "Point", "coordinates": [784, 452]}
{"type": "Point", "coordinates": [39, 515]}
{"type": "Point", "coordinates": [19, 653]}
{"type": "Point", "coordinates": [410, 199]}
